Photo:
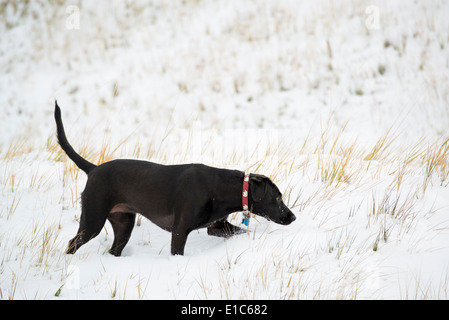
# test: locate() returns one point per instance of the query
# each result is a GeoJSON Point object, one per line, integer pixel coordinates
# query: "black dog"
{"type": "Point", "coordinates": [178, 198]}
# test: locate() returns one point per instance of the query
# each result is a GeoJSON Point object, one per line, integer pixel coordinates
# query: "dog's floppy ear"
{"type": "Point", "coordinates": [258, 186]}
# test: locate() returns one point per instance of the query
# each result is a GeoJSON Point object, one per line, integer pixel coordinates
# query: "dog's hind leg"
{"type": "Point", "coordinates": [82, 237]}
{"type": "Point", "coordinates": [92, 220]}
{"type": "Point", "coordinates": [122, 224]}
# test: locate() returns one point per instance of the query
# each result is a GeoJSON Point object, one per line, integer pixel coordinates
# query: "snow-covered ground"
{"type": "Point", "coordinates": [344, 104]}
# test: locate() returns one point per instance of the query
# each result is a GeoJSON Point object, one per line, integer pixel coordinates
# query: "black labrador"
{"type": "Point", "coordinates": [177, 198]}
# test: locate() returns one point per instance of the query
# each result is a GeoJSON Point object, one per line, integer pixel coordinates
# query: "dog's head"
{"type": "Point", "coordinates": [266, 200]}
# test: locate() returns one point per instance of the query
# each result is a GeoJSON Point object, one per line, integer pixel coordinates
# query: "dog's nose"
{"type": "Point", "coordinates": [293, 217]}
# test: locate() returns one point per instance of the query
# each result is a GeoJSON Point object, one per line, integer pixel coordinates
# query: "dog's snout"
{"type": "Point", "coordinates": [293, 217]}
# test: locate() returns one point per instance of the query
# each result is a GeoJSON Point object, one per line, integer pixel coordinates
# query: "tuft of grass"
{"type": "Point", "coordinates": [337, 168]}
{"type": "Point", "coordinates": [436, 161]}
{"type": "Point", "coordinates": [16, 148]}
{"type": "Point", "coordinates": [392, 204]}
{"type": "Point", "coordinates": [379, 151]}
{"type": "Point", "coordinates": [12, 290]}
{"type": "Point", "coordinates": [12, 207]}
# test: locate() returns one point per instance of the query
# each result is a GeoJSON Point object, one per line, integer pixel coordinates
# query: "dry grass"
{"type": "Point", "coordinates": [436, 162]}
{"type": "Point", "coordinates": [325, 172]}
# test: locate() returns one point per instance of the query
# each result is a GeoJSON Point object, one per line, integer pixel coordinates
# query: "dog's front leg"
{"type": "Point", "coordinates": [181, 229]}
{"type": "Point", "coordinates": [222, 228]}
{"type": "Point", "coordinates": [189, 214]}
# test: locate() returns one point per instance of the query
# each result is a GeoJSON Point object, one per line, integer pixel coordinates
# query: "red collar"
{"type": "Point", "coordinates": [246, 212]}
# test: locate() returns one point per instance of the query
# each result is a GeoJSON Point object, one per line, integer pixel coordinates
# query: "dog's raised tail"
{"type": "Point", "coordinates": [82, 163]}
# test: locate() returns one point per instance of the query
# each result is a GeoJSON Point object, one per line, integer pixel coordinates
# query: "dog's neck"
{"type": "Point", "coordinates": [229, 191]}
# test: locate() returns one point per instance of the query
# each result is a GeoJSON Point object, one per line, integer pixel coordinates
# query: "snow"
{"type": "Point", "coordinates": [345, 105]}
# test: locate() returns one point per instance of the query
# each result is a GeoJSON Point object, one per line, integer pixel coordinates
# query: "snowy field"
{"type": "Point", "coordinates": [343, 104]}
